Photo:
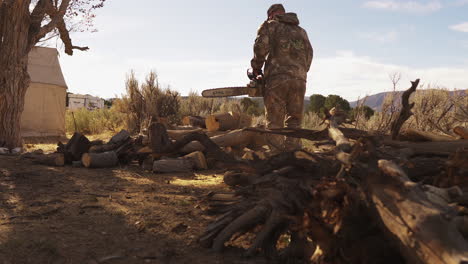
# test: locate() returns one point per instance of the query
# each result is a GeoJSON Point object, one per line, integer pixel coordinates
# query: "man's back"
{"type": "Point", "coordinates": [285, 46]}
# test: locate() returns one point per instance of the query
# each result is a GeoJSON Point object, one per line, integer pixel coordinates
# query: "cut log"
{"type": "Point", "coordinates": [199, 160]}
{"type": "Point", "coordinates": [461, 131]}
{"type": "Point", "coordinates": [75, 147]}
{"type": "Point", "coordinates": [158, 137]}
{"type": "Point", "coordinates": [224, 121]}
{"type": "Point", "coordinates": [53, 159]}
{"type": "Point", "coordinates": [196, 121]}
{"type": "Point", "coordinates": [100, 160]}
{"type": "Point", "coordinates": [244, 120]}
{"type": "Point", "coordinates": [417, 135]}
{"type": "Point", "coordinates": [173, 165]}
{"type": "Point", "coordinates": [104, 148]}
{"type": "Point", "coordinates": [405, 111]}
{"type": "Point", "coordinates": [233, 138]}
{"type": "Point", "coordinates": [227, 121]}
{"type": "Point", "coordinates": [120, 137]}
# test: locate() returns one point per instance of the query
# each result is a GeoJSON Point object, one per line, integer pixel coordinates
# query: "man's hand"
{"type": "Point", "coordinates": [257, 72]}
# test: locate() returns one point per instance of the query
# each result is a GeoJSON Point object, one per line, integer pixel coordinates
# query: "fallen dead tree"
{"type": "Point", "coordinates": [355, 204]}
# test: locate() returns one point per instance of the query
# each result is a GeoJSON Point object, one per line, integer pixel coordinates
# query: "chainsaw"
{"type": "Point", "coordinates": [253, 89]}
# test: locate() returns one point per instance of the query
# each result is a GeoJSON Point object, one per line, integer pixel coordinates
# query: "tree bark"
{"type": "Point", "coordinates": [461, 131]}
{"type": "Point", "coordinates": [100, 160]}
{"type": "Point", "coordinates": [14, 77]}
{"type": "Point", "coordinates": [405, 112]}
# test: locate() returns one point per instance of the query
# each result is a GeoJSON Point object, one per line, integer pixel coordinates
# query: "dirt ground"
{"type": "Point", "coordinates": [94, 216]}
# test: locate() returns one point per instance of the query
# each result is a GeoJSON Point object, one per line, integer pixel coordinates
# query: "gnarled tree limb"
{"type": "Point", "coordinates": [405, 111]}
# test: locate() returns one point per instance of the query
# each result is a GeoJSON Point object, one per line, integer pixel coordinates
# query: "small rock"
{"type": "Point", "coordinates": [16, 151]}
{"type": "Point", "coordinates": [4, 151]}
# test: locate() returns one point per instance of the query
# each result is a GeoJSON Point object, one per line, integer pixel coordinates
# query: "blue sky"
{"type": "Point", "coordinates": [196, 45]}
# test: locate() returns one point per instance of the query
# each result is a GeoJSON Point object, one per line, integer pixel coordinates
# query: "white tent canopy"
{"type": "Point", "coordinates": [44, 107]}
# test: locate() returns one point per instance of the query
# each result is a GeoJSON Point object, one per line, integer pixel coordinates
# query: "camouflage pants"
{"type": "Point", "coordinates": [284, 105]}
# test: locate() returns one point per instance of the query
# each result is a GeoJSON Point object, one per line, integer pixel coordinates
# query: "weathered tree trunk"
{"type": "Point", "coordinates": [418, 135]}
{"type": "Point", "coordinates": [405, 111]}
{"type": "Point", "coordinates": [14, 77]}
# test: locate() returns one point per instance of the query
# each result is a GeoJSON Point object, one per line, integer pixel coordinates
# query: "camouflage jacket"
{"type": "Point", "coordinates": [283, 46]}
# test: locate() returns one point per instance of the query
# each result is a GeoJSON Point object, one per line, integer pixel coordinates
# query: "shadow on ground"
{"type": "Point", "coordinates": [121, 215]}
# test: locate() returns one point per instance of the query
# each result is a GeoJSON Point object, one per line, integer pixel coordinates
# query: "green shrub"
{"type": "Point", "coordinates": [93, 121]}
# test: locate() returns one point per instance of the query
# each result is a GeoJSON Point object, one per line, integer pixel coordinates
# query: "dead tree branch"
{"type": "Point", "coordinates": [405, 111]}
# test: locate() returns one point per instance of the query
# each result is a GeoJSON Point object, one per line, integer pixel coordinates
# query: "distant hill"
{"type": "Point", "coordinates": [375, 101]}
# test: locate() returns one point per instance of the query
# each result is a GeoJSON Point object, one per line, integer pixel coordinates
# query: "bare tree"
{"type": "Point", "coordinates": [24, 23]}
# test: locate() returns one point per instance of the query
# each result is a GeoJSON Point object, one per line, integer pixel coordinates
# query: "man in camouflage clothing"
{"type": "Point", "coordinates": [283, 47]}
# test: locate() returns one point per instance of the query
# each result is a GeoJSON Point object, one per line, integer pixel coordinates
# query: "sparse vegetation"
{"type": "Point", "coordinates": [95, 121]}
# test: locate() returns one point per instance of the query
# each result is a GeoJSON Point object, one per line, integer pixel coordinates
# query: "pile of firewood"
{"type": "Point", "coordinates": [160, 150]}
{"type": "Point", "coordinates": [369, 199]}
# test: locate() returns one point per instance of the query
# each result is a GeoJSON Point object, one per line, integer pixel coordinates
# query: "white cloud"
{"type": "Point", "coordinates": [462, 27]}
{"type": "Point", "coordinates": [461, 2]}
{"type": "Point", "coordinates": [345, 74]}
{"type": "Point", "coordinates": [354, 76]}
{"type": "Point", "coordinates": [387, 37]}
{"type": "Point", "coordinates": [405, 6]}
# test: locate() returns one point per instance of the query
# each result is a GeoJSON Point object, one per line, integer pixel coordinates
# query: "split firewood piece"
{"type": "Point", "coordinates": [199, 160]}
{"type": "Point", "coordinates": [173, 165]}
{"type": "Point", "coordinates": [100, 160]}
{"type": "Point", "coordinates": [120, 137]}
{"type": "Point", "coordinates": [461, 131]}
{"type": "Point", "coordinates": [405, 111]}
{"type": "Point", "coordinates": [417, 135]}
{"type": "Point", "coordinates": [195, 121]}
{"type": "Point", "coordinates": [424, 230]}
{"type": "Point", "coordinates": [75, 147]}
{"type": "Point", "coordinates": [53, 159]}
